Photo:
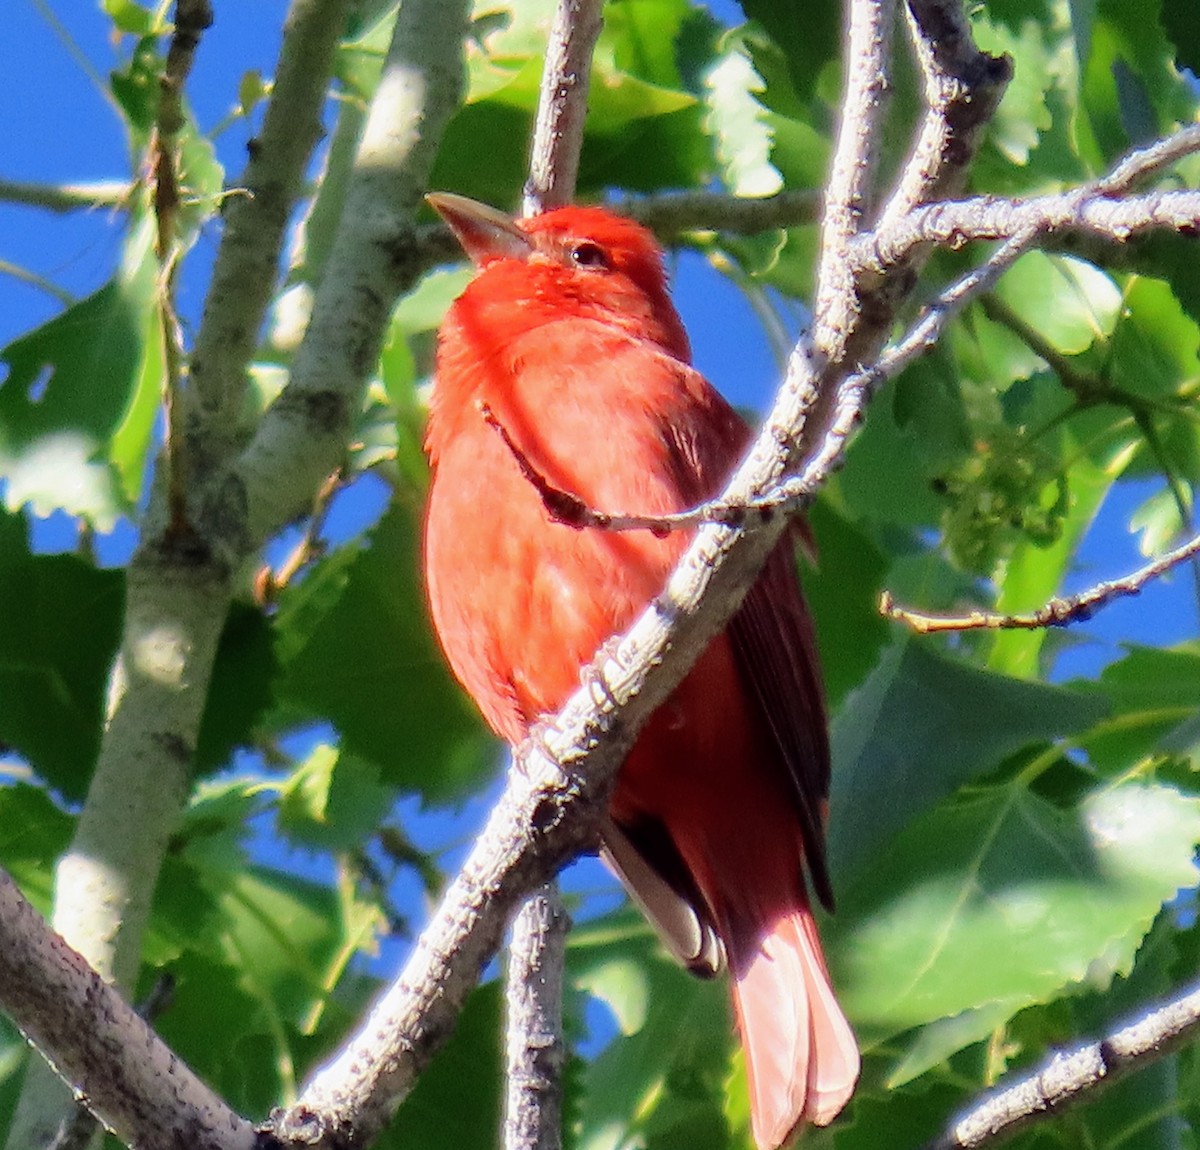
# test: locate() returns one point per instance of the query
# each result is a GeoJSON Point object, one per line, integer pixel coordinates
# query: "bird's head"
{"type": "Point", "coordinates": [571, 261]}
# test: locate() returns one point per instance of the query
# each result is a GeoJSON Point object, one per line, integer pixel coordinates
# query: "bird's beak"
{"type": "Point", "coordinates": [485, 233]}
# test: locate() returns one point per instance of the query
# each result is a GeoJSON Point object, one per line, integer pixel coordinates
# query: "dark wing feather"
{"type": "Point", "coordinates": [772, 636]}
{"type": "Point", "coordinates": [775, 645]}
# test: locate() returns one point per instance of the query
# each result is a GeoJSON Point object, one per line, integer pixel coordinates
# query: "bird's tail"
{"type": "Point", "coordinates": [801, 1057]}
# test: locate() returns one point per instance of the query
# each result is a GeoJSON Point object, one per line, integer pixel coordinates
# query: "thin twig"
{"type": "Point", "coordinates": [1068, 1078]}
{"type": "Point", "coordinates": [1058, 612]}
{"type": "Point", "coordinates": [568, 509]}
{"type": "Point", "coordinates": [24, 275]}
{"type": "Point", "coordinates": [268, 582]}
{"type": "Point", "coordinates": [562, 106]}
{"type": "Point", "coordinates": [1090, 207]}
{"type": "Point", "coordinates": [67, 197]}
{"type": "Point", "coordinates": [192, 18]}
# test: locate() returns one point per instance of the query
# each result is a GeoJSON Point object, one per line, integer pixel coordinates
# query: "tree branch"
{"type": "Point", "coordinates": [67, 197]}
{"type": "Point", "coordinates": [562, 106]}
{"type": "Point", "coordinates": [673, 214]}
{"type": "Point", "coordinates": [1068, 1078]}
{"type": "Point", "coordinates": [533, 1045]}
{"type": "Point", "coordinates": [138, 1088]}
{"type": "Point", "coordinates": [952, 224]}
{"type": "Point", "coordinates": [302, 437]}
{"type": "Point", "coordinates": [1058, 612]}
{"type": "Point", "coordinates": [855, 157]}
{"type": "Point", "coordinates": [192, 19]}
{"type": "Point", "coordinates": [1090, 207]}
{"type": "Point", "coordinates": [962, 89]}
{"type": "Point", "coordinates": [247, 265]}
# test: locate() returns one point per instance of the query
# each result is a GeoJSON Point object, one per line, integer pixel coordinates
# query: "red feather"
{"type": "Point", "coordinates": [568, 335]}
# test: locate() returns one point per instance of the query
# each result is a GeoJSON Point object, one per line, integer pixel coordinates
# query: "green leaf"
{"type": "Point", "coordinates": [1083, 12]}
{"type": "Point", "coordinates": [1034, 571]}
{"type": "Point", "coordinates": [1154, 351]}
{"type": "Point", "coordinates": [808, 36]}
{"type": "Point", "coordinates": [1130, 52]}
{"type": "Point", "coordinates": [1023, 113]}
{"type": "Point", "coordinates": [370, 665]}
{"type": "Point", "coordinates": [920, 727]}
{"type": "Point", "coordinates": [136, 89]}
{"type": "Point", "coordinates": [239, 691]}
{"type": "Point", "coordinates": [742, 136]}
{"type": "Point", "coordinates": [997, 898]}
{"type": "Point", "coordinates": [425, 306]}
{"type": "Point", "coordinates": [62, 623]}
{"type": "Point", "coordinates": [643, 125]}
{"type": "Point", "coordinates": [458, 1100]}
{"type": "Point", "coordinates": [79, 397]}
{"type": "Point", "coordinates": [333, 801]}
{"type": "Point", "coordinates": [1152, 692]}
{"type": "Point", "coordinates": [669, 1066]}
{"type": "Point", "coordinates": [210, 1020]}
{"type": "Point", "coordinates": [251, 91]}
{"type": "Point", "coordinates": [290, 939]}
{"type": "Point", "coordinates": [1160, 521]}
{"type": "Point", "coordinates": [1181, 19]}
{"type": "Point", "coordinates": [129, 17]}
{"type": "Point", "coordinates": [1067, 301]}
{"type": "Point", "coordinates": [885, 478]}
{"type": "Point", "coordinates": [33, 833]}
{"type": "Point", "coordinates": [900, 1118]}
{"type": "Point", "coordinates": [842, 588]}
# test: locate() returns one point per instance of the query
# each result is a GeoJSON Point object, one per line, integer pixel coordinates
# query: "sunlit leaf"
{"type": "Point", "coordinates": [1068, 302]}
{"type": "Point", "coordinates": [76, 384]}
{"type": "Point", "coordinates": [333, 800]}
{"type": "Point", "coordinates": [738, 124]}
{"type": "Point", "coordinates": [998, 898]}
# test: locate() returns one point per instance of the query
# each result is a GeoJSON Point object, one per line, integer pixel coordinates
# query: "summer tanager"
{"type": "Point", "coordinates": [567, 341]}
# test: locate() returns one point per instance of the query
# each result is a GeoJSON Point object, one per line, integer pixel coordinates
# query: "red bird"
{"type": "Point", "coordinates": [567, 334]}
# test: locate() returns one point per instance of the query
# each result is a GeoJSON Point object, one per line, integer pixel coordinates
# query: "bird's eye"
{"type": "Point", "coordinates": [586, 254]}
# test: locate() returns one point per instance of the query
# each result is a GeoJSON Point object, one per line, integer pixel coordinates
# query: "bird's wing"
{"type": "Point", "coordinates": [772, 632]}
{"type": "Point", "coordinates": [773, 639]}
